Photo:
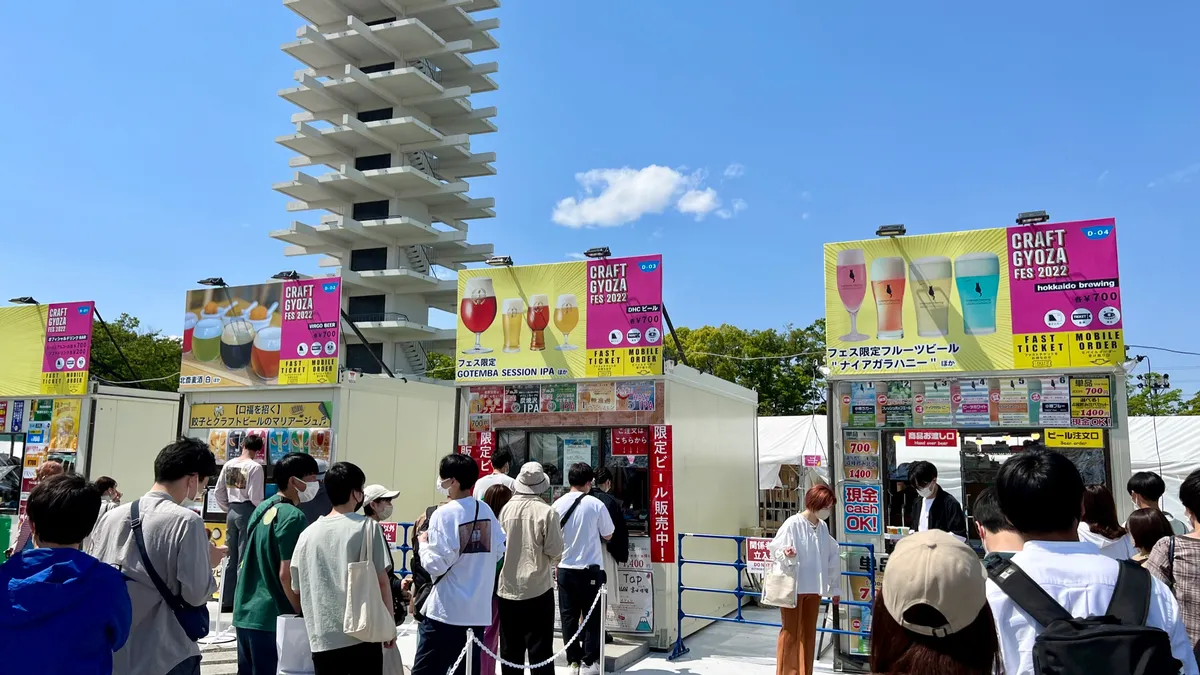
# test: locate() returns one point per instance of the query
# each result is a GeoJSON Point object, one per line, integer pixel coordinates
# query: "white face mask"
{"type": "Point", "coordinates": [925, 492]}
{"type": "Point", "coordinates": [384, 511]}
{"type": "Point", "coordinates": [824, 514]}
{"type": "Point", "coordinates": [442, 489]}
{"type": "Point", "coordinates": [309, 492]}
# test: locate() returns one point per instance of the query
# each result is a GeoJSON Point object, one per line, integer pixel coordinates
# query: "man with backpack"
{"type": "Point", "coordinates": [1060, 606]}
{"type": "Point", "coordinates": [585, 522]}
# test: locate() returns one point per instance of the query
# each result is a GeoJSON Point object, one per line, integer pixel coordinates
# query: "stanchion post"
{"type": "Point", "coordinates": [470, 664]}
{"type": "Point", "coordinates": [603, 627]}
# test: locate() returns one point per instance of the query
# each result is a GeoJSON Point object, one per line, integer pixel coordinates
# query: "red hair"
{"type": "Point", "coordinates": [818, 497]}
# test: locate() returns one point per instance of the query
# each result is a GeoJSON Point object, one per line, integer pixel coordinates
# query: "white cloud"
{"type": "Point", "coordinates": [613, 197]}
{"type": "Point", "coordinates": [739, 205]}
{"type": "Point", "coordinates": [735, 170]}
{"type": "Point", "coordinates": [1184, 175]}
{"type": "Point", "coordinates": [577, 256]}
{"type": "Point", "coordinates": [699, 203]}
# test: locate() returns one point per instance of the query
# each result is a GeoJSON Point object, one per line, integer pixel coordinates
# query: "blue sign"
{"type": "Point", "coordinates": [18, 417]}
{"type": "Point", "coordinates": [862, 509]}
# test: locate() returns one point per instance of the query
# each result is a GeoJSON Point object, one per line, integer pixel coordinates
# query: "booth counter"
{"type": "Point", "coordinates": [682, 450]}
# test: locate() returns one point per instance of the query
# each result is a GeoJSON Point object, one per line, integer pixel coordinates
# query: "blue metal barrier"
{"type": "Point", "coordinates": [739, 566]}
{"type": "Point", "coordinates": [404, 548]}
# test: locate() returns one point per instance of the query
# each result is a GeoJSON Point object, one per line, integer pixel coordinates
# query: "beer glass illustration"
{"type": "Point", "coordinates": [512, 316]}
{"type": "Point", "coordinates": [538, 318]}
{"type": "Point", "coordinates": [566, 317]}
{"type": "Point", "coordinates": [930, 279]}
{"type": "Point", "coordinates": [977, 276]}
{"type": "Point", "coordinates": [852, 288]}
{"type": "Point", "coordinates": [887, 285]}
{"type": "Point", "coordinates": [478, 310]}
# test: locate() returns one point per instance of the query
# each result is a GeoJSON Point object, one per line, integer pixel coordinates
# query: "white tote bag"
{"type": "Point", "coordinates": [291, 644]}
{"type": "Point", "coordinates": [393, 663]}
{"type": "Point", "coordinates": [366, 618]}
{"type": "Point", "coordinates": [779, 586]}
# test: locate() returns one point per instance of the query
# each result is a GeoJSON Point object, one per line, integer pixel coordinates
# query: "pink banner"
{"type": "Point", "coordinates": [68, 347]}
{"type": "Point", "coordinates": [1063, 277]}
{"type": "Point", "coordinates": [624, 307]}
{"type": "Point", "coordinates": [310, 334]}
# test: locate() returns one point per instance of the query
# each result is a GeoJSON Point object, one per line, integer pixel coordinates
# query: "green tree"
{"type": "Point", "coordinates": [1144, 403]}
{"type": "Point", "coordinates": [754, 359]}
{"type": "Point", "coordinates": [150, 354]}
{"type": "Point", "coordinates": [439, 366]}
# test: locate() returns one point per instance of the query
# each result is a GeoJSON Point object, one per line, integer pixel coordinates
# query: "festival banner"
{"type": "Point", "coordinates": [662, 495]}
{"type": "Point", "coordinates": [67, 354]}
{"type": "Point", "coordinates": [258, 415]}
{"type": "Point", "coordinates": [564, 321]}
{"type": "Point", "coordinates": [1026, 297]}
{"type": "Point", "coordinates": [263, 335]}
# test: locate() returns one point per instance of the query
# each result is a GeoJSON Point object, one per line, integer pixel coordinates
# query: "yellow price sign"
{"type": "Point", "coordinates": [1090, 386]}
{"type": "Point", "coordinates": [1074, 438]}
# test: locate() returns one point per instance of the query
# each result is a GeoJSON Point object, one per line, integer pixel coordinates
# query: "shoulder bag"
{"type": "Point", "coordinates": [366, 617]}
{"type": "Point", "coordinates": [779, 586]}
{"type": "Point", "coordinates": [193, 620]}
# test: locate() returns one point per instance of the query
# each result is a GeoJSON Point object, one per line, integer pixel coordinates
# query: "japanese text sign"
{"type": "Point", "coordinates": [260, 415]}
{"type": "Point", "coordinates": [931, 438]}
{"type": "Point", "coordinates": [630, 441]}
{"type": "Point", "coordinates": [68, 348]}
{"type": "Point", "coordinates": [758, 556]}
{"type": "Point", "coordinates": [487, 448]}
{"type": "Point", "coordinates": [662, 496]}
{"type": "Point", "coordinates": [862, 509]}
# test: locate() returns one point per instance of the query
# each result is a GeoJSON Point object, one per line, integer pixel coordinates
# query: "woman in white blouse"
{"type": "Point", "coordinates": [805, 546]}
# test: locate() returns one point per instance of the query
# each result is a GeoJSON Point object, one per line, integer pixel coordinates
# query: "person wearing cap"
{"type": "Point", "coordinates": [804, 545]}
{"type": "Point", "coordinates": [377, 505]}
{"type": "Point", "coordinates": [320, 505]}
{"type": "Point", "coordinates": [932, 615]}
{"type": "Point", "coordinates": [526, 590]}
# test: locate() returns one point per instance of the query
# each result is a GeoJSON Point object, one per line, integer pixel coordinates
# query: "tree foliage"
{"type": "Point", "coordinates": [751, 358]}
{"type": "Point", "coordinates": [1143, 402]}
{"type": "Point", "coordinates": [150, 354]}
{"type": "Point", "coordinates": [439, 366]}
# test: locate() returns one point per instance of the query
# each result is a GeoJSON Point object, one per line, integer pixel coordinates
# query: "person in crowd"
{"type": "Point", "coordinates": [1146, 528]}
{"type": "Point", "coordinates": [936, 509]}
{"type": "Point", "coordinates": [320, 505]}
{"type": "Point", "coordinates": [932, 616]}
{"type": "Point", "coordinates": [616, 550]}
{"type": "Point", "coordinates": [240, 488]}
{"type": "Point", "coordinates": [319, 564]}
{"type": "Point", "coordinates": [501, 463]}
{"type": "Point", "coordinates": [1100, 526]}
{"type": "Point", "coordinates": [379, 508]}
{"type": "Point", "coordinates": [48, 468]}
{"type": "Point", "coordinates": [497, 497]}
{"type": "Point", "coordinates": [902, 499]}
{"type": "Point", "coordinates": [460, 551]}
{"type": "Point", "coordinates": [526, 587]}
{"type": "Point", "coordinates": [57, 591]}
{"type": "Point", "coordinates": [178, 551]}
{"type": "Point", "coordinates": [1041, 493]}
{"type": "Point", "coordinates": [1176, 560]}
{"type": "Point", "coordinates": [264, 590]}
{"type": "Point", "coordinates": [585, 522]}
{"type": "Point", "coordinates": [110, 498]}
{"type": "Point", "coordinates": [999, 537]}
{"type": "Point", "coordinates": [804, 545]}
{"type": "Point", "coordinates": [1146, 489]}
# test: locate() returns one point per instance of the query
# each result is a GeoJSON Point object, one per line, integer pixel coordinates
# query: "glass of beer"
{"type": "Point", "coordinates": [511, 318]}
{"type": "Point", "coordinates": [977, 276]}
{"type": "Point", "coordinates": [538, 318]}
{"type": "Point", "coordinates": [852, 288]}
{"type": "Point", "coordinates": [566, 317]}
{"type": "Point", "coordinates": [930, 279]}
{"type": "Point", "coordinates": [478, 310]}
{"type": "Point", "coordinates": [887, 285]}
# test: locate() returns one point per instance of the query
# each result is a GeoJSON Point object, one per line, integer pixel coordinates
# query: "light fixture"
{"type": "Point", "coordinates": [213, 281]}
{"type": "Point", "coordinates": [23, 300]}
{"type": "Point", "coordinates": [1035, 435]}
{"type": "Point", "coordinates": [1131, 364]}
{"type": "Point", "coordinates": [824, 370]}
{"type": "Point", "coordinates": [598, 252]}
{"type": "Point", "coordinates": [288, 275]}
{"type": "Point", "coordinates": [500, 261]}
{"type": "Point", "coordinates": [897, 438]}
{"type": "Point", "coordinates": [896, 230]}
{"type": "Point", "coordinates": [1032, 217]}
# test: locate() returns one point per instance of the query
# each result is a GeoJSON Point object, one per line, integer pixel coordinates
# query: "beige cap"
{"type": "Point", "coordinates": [532, 480]}
{"type": "Point", "coordinates": [373, 492]}
{"type": "Point", "coordinates": [933, 568]}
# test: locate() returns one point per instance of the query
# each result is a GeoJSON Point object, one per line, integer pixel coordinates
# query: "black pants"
{"type": "Point", "coordinates": [256, 652]}
{"type": "Point", "coordinates": [577, 590]}
{"type": "Point", "coordinates": [361, 659]}
{"type": "Point", "coordinates": [439, 645]}
{"type": "Point", "coordinates": [527, 626]}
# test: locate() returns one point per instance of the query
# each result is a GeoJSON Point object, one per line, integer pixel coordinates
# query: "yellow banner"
{"type": "Point", "coordinates": [564, 321]}
{"type": "Point", "coordinates": [264, 415]}
{"type": "Point", "coordinates": [22, 344]}
{"type": "Point", "coordinates": [1041, 297]}
{"type": "Point", "coordinates": [1074, 438]}
{"type": "Point", "coordinates": [64, 424]}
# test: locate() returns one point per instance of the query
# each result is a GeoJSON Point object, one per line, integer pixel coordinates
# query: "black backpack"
{"type": "Point", "coordinates": [1118, 643]}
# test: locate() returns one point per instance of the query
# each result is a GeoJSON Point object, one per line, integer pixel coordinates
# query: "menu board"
{"type": "Point", "coordinates": [1053, 402]}
{"type": "Point", "coordinates": [635, 395]}
{"type": "Point", "coordinates": [1091, 402]}
{"type": "Point", "coordinates": [597, 397]}
{"type": "Point", "coordinates": [1014, 402]}
{"type": "Point", "coordinates": [522, 398]}
{"type": "Point", "coordinates": [860, 455]}
{"type": "Point", "coordinates": [558, 397]}
{"type": "Point", "coordinates": [932, 406]}
{"type": "Point", "coordinates": [896, 406]}
{"type": "Point", "coordinates": [862, 404]}
{"type": "Point", "coordinates": [972, 404]}
{"type": "Point", "coordinates": [486, 400]}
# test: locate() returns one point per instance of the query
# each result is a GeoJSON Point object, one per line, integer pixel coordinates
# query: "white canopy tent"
{"type": "Point", "coordinates": [1175, 454]}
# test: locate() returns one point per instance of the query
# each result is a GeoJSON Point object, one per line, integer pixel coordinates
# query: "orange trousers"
{"type": "Point", "coordinates": [797, 646]}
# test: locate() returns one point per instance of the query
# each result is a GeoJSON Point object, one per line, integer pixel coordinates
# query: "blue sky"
{"type": "Point", "coordinates": [139, 154]}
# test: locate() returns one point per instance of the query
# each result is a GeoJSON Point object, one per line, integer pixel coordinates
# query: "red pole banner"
{"type": "Point", "coordinates": [662, 496]}
{"type": "Point", "coordinates": [487, 447]}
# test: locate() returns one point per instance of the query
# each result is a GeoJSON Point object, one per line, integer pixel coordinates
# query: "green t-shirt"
{"type": "Point", "coordinates": [259, 598]}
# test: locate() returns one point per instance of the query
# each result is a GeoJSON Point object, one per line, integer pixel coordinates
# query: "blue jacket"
{"type": "Point", "coordinates": [63, 612]}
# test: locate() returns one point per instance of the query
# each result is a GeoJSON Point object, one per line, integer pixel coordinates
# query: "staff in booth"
{"type": "Point", "coordinates": [804, 545]}
{"type": "Point", "coordinates": [936, 509]}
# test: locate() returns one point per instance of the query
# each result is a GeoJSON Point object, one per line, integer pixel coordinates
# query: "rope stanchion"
{"type": "Point", "coordinates": [220, 636]}
{"type": "Point", "coordinates": [471, 638]}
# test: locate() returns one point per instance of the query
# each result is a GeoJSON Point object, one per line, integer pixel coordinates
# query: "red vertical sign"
{"type": "Point", "coordinates": [487, 446]}
{"type": "Point", "coordinates": [630, 441]}
{"type": "Point", "coordinates": [662, 496]}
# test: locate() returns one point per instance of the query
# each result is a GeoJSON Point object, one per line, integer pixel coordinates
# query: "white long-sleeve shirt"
{"type": "Point", "coordinates": [465, 549]}
{"type": "Point", "coordinates": [1117, 549]}
{"type": "Point", "coordinates": [241, 480]}
{"type": "Point", "coordinates": [1081, 579]}
{"type": "Point", "coordinates": [817, 566]}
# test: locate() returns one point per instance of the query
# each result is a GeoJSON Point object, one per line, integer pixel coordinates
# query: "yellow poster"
{"type": "Point", "coordinates": [1074, 438]}
{"type": "Point", "coordinates": [566, 321]}
{"type": "Point", "coordinates": [22, 344]}
{"type": "Point", "coordinates": [64, 424]}
{"type": "Point", "coordinates": [264, 415]}
{"type": "Point", "coordinates": [1043, 296]}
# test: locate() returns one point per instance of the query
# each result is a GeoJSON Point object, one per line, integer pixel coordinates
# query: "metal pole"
{"type": "Point", "coordinates": [603, 628]}
{"type": "Point", "coordinates": [470, 664]}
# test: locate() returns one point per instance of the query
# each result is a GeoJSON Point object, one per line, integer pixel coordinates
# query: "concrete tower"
{"type": "Point", "coordinates": [385, 134]}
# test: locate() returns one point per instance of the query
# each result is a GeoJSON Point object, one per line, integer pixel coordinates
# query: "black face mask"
{"type": "Point", "coordinates": [359, 506]}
